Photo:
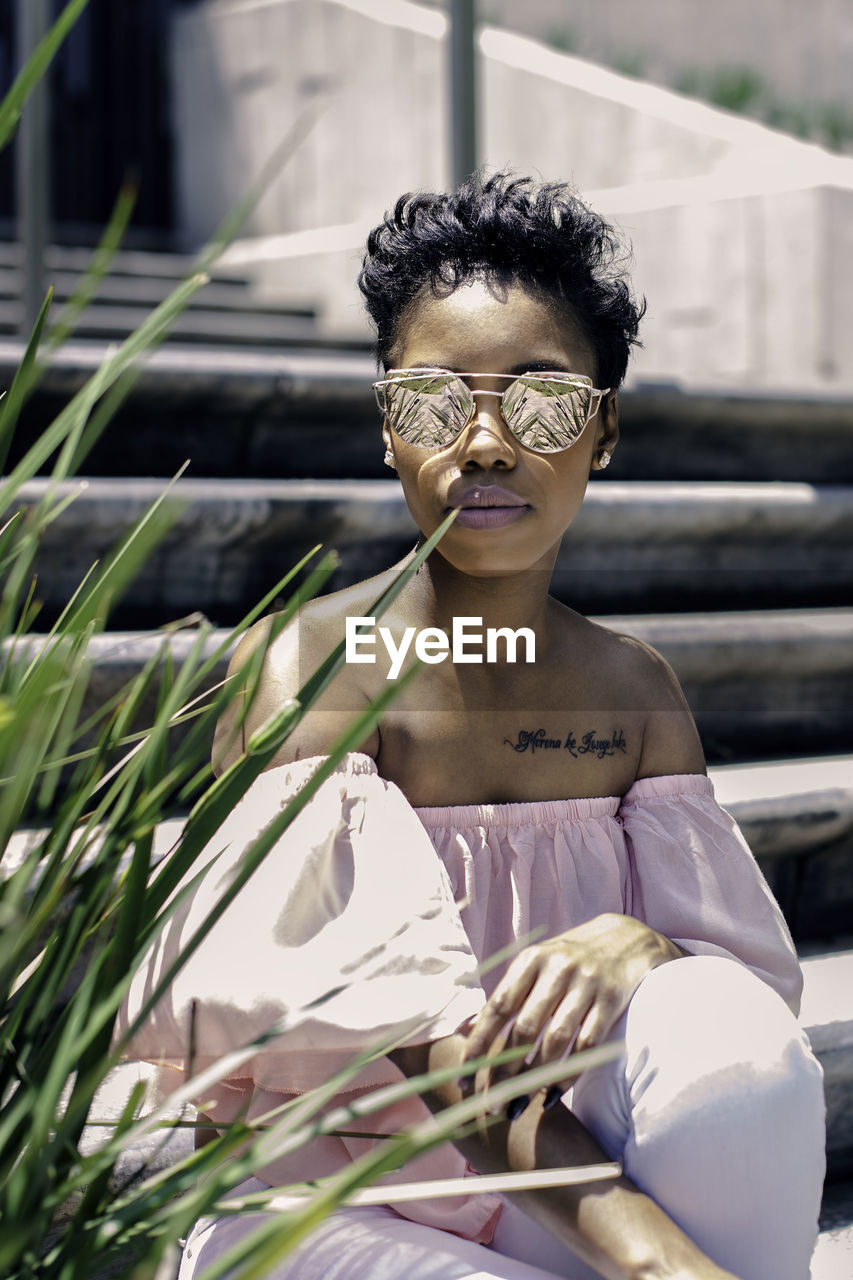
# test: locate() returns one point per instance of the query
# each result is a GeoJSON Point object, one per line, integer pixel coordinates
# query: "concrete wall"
{"type": "Point", "coordinates": [742, 235]}
{"type": "Point", "coordinates": [752, 289]}
{"type": "Point", "coordinates": [245, 69]}
{"type": "Point", "coordinates": [803, 51]}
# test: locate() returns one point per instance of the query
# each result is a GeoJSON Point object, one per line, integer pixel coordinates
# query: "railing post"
{"type": "Point", "coordinates": [33, 165]}
{"type": "Point", "coordinates": [463, 90]}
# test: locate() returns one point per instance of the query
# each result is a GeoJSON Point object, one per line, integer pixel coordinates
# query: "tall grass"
{"type": "Point", "coordinates": [84, 900]}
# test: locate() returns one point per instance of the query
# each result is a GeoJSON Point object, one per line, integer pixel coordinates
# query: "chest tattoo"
{"type": "Point", "coordinates": [588, 743]}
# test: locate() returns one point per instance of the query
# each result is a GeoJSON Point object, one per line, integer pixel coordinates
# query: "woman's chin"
{"type": "Point", "coordinates": [495, 561]}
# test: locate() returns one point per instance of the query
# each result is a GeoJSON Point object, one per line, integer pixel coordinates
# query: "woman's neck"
{"type": "Point", "coordinates": [511, 600]}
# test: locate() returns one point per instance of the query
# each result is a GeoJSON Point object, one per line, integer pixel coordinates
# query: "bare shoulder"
{"type": "Point", "coordinates": [290, 656]}
{"type": "Point", "coordinates": [645, 680]}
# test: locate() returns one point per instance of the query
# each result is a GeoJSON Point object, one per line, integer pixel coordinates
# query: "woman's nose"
{"type": "Point", "coordinates": [486, 441]}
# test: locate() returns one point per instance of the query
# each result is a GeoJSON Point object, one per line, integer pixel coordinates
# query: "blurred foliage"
{"type": "Point", "coordinates": [563, 38]}
{"type": "Point", "coordinates": [738, 88]}
{"type": "Point", "coordinates": [84, 899]}
{"type": "Point", "coordinates": [743, 90]}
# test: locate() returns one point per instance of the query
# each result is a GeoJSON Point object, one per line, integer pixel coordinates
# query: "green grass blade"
{"type": "Point", "coordinates": [150, 333]}
{"type": "Point", "coordinates": [23, 382]}
{"type": "Point", "coordinates": [52, 1032]}
{"type": "Point", "coordinates": [314, 686]}
{"type": "Point", "coordinates": [103, 414]}
{"type": "Point", "coordinates": [275, 1239]}
{"type": "Point", "coordinates": [29, 75]}
{"type": "Point", "coordinates": [122, 565]}
{"type": "Point", "coordinates": [106, 250]}
{"type": "Point", "coordinates": [208, 815]}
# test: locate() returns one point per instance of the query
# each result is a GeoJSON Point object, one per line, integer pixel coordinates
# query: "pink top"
{"type": "Point", "coordinates": [353, 900]}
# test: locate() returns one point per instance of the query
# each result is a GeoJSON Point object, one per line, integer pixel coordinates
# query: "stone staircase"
{"type": "Point", "coordinates": [225, 312]}
{"type": "Point", "coordinates": [722, 533]}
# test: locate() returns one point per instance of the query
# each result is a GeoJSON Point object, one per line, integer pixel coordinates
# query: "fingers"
{"type": "Point", "coordinates": [549, 1022]}
{"type": "Point", "coordinates": [540, 1003]}
{"type": "Point", "coordinates": [556, 1000]}
{"type": "Point", "coordinates": [599, 1022]}
{"type": "Point", "coordinates": [532, 1023]}
{"type": "Point", "coordinates": [555, 1027]}
{"type": "Point", "coordinates": [561, 1033]}
{"type": "Point", "coordinates": [503, 1005]}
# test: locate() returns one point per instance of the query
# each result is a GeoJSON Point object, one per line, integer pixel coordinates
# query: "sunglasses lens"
{"type": "Point", "coordinates": [547, 414]}
{"type": "Point", "coordinates": [428, 410]}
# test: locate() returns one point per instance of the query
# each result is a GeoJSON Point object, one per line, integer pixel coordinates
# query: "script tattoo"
{"type": "Point", "coordinates": [590, 743]}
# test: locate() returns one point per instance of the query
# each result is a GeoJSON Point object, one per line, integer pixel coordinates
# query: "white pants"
{"type": "Point", "coordinates": [715, 1109]}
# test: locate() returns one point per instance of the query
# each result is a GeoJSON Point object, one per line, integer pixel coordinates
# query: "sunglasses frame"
{"type": "Point", "coordinates": [396, 376]}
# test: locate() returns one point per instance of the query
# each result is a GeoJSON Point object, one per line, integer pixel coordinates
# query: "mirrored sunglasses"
{"type": "Point", "coordinates": [429, 408]}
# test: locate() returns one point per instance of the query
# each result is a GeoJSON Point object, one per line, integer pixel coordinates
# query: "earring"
{"type": "Point", "coordinates": [603, 459]}
{"type": "Point", "coordinates": [389, 460]}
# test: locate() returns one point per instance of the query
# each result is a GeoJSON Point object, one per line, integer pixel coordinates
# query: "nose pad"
{"type": "Point", "coordinates": [487, 441]}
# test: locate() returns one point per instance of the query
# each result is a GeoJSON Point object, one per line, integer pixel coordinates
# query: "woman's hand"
{"type": "Point", "coordinates": [568, 992]}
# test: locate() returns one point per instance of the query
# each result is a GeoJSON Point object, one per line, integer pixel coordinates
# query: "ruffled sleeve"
{"type": "Point", "coordinates": [347, 931]}
{"type": "Point", "coordinates": [693, 878]}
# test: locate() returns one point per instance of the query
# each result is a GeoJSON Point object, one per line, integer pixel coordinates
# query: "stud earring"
{"type": "Point", "coordinates": [389, 460]}
{"type": "Point", "coordinates": [603, 459]}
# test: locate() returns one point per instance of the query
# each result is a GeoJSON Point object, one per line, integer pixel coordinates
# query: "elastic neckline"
{"type": "Point", "coordinates": [663, 789]}
{"type": "Point", "coordinates": [519, 813]}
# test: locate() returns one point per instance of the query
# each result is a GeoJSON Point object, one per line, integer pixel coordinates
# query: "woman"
{"type": "Point", "coordinates": [564, 795]}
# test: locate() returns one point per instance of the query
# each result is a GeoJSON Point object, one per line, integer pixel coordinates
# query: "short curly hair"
{"type": "Point", "coordinates": [509, 228]}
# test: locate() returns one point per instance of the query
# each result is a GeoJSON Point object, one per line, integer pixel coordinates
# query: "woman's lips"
{"type": "Point", "coordinates": [489, 517]}
{"type": "Point", "coordinates": [488, 507]}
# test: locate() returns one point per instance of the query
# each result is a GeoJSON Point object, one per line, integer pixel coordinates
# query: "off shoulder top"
{"type": "Point", "coordinates": [369, 914]}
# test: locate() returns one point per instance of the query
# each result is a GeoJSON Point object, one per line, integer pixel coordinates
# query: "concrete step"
{"type": "Point", "coordinates": [665, 545]}
{"type": "Point", "coordinates": [115, 322]}
{"type": "Point", "coordinates": [716, 434]}
{"type": "Point", "coordinates": [827, 1015]}
{"type": "Point", "coordinates": [146, 291]}
{"type": "Point", "coordinates": [311, 412]}
{"type": "Point", "coordinates": [833, 1256]}
{"type": "Point", "coordinates": [797, 816]}
{"type": "Point", "coordinates": [761, 685]}
{"type": "Point", "coordinates": [139, 263]}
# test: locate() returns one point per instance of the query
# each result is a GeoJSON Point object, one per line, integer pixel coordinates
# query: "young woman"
{"type": "Point", "coordinates": [550, 786]}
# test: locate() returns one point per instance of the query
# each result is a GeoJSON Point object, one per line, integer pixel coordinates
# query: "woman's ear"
{"type": "Point", "coordinates": [607, 436]}
{"type": "Point", "coordinates": [389, 447]}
